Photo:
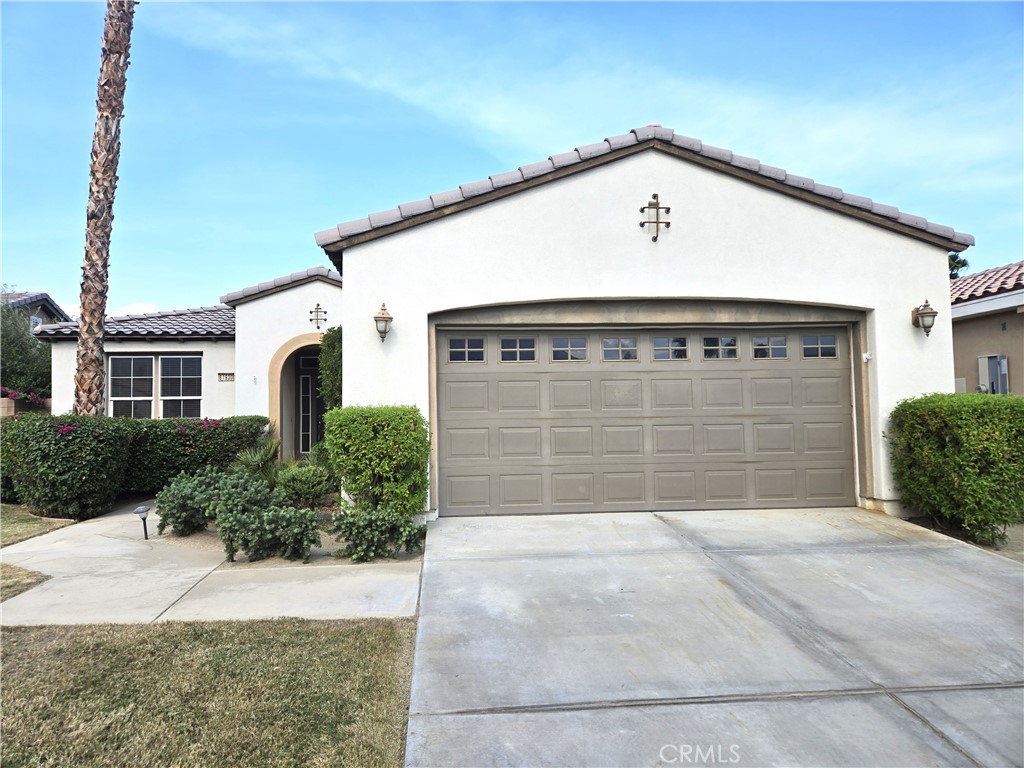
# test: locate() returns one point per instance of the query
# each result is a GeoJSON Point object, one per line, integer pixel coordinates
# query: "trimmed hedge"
{"type": "Point", "coordinates": [76, 466]}
{"type": "Point", "coordinates": [381, 454]}
{"type": "Point", "coordinates": [66, 466]}
{"type": "Point", "coordinates": [164, 448]}
{"type": "Point", "coordinates": [960, 460]}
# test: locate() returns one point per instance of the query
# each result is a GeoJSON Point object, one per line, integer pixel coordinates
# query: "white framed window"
{"type": "Point", "coordinates": [820, 346]}
{"type": "Point", "coordinates": [669, 348]}
{"type": "Point", "coordinates": [520, 349]}
{"type": "Point", "coordinates": [132, 390]}
{"type": "Point", "coordinates": [131, 386]}
{"type": "Point", "coordinates": [617, 348]}
{"type": "Point", "coordinates": [770, 348]}
{"type": "Point", "coordinates": [466, 350]}
{"type": "Point", "coordinates": [720, 348]}
{"type": "Point", "coordinates": [181, 387]}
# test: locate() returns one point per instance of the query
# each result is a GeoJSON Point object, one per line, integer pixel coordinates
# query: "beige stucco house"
{"type": "Point", "coordinates": [644, 323]}
{"type": "Point", "coordinates": [988, 330]}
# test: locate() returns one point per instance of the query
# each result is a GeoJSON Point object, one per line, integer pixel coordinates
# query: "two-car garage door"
{"type": "Point", "coordinates": [585, 420]}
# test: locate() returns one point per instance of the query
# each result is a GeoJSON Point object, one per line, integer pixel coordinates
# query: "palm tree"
{"type": "Point", "coordinates": [99, 217]}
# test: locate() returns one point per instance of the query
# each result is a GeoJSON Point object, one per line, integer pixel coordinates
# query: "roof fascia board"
{"type": "Point", "coordinates": [988, 304]}
{"type": "Point", "coordinates": [336, 249]}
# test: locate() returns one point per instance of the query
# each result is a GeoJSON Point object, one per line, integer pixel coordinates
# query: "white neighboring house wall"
{"type": "Point", "coordinates": [579, 238]}
{"type": "Point", "coordinates": [218, 398]}
{"type": "Point", "coordinates": [265, 326]}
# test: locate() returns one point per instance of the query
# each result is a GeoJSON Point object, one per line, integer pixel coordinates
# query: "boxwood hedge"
{"type": "Point", "coordinates": [960, 460]}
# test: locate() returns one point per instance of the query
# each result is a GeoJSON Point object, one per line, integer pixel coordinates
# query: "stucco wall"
{"type": "Point", "coordinates": [264, 325]}
{"type": "Point", "coordinates": [218, 357]}
{"type": "Point", "coordinates": [579, 237]}
{"type": "Point", "coordinates": [977, 336]}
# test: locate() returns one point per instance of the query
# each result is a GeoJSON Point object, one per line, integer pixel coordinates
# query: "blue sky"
{"type": "Point", "coordinates": [249, 126]}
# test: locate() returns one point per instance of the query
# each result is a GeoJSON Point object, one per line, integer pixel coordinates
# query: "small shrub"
{"type": "Point", "coordinates": [163, 448]}
{"type": "Point", "coordinates": [304, 485]}
{"type": "Point", "coordinates": [184, 504]}
{"type": "Point", "coordinates": [376, 533]}
{"type": "Point", "coordinates": [252, 518]}
{"type": "Point", "coordinates": [960, 460]}
{"type": "Point", "coordinates": [330, 367]}
{"type": "Point", "coordinates": [66, 466]}
{"type": "Point", "coordinates": [381, 454]}
{"type": "Point", "coordinates": [260, 461]}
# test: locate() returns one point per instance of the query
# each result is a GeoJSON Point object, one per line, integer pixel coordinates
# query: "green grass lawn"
{"type": "Point", "coordinates": [18, 524]}
{"type": "Point", "coordinates": [264, 693]}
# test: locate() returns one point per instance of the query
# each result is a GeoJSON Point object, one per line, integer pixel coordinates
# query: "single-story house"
{"type": "Point", "coordinates": [40, 308]}
{"type": "Point", "coordinates": [254, 353]}
{"type": "Point", "coordinates": [988, 330]}
{"type": "Point", "coordinates": [644, 323]}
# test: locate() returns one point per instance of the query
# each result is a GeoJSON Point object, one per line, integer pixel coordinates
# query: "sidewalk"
{"type": "Point", "coordinates": [104, 571]}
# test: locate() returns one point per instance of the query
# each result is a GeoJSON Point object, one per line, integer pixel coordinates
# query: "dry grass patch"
{"type": "Point", "coordinates": [270, 693]}
{"type": "Point", "coordinates": [15, 580]}
{"type": "Point", "coordinates": [17, 523]}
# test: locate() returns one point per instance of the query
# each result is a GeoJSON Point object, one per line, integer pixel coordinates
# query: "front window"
{"type": "Point", "coordinates": [131, 387]}
{"type": "Point", "coordinates": [181, 387]}
{"type": "Point", "coordinates": [133, 394]}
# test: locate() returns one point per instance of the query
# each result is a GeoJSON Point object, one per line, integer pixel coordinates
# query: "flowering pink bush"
{"type": "Point", "coordinates": [13, 394]}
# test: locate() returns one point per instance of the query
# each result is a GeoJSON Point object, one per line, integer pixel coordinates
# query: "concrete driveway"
{"type": "Point", "coordinates": [810, 637]}
{"type": "Point", "coordinates": [103, 570]}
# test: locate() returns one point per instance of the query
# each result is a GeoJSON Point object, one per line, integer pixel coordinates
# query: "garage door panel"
{"type": "Point", "coordinates": [543, 436]}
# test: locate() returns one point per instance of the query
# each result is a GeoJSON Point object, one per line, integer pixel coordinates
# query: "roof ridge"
{"type": "Point", "coordinates": [278, 283]}
{"type": "Point", "coordinates": [648, 133]}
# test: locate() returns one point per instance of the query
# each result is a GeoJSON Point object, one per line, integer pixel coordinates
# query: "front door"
{"type": "Point", "coordinates": [309, 415]}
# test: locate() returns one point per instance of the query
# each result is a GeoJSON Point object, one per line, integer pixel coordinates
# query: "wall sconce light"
{"type": "Point", "coordinates": [143, 513]}
{"type": "Point", "coordinates": [383, 321]}
{"type": "Point", "coordinates": [923, 317]}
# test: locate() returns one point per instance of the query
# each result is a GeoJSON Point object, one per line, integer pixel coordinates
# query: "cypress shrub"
{"type": "Point", "coordinates": [960, 460]}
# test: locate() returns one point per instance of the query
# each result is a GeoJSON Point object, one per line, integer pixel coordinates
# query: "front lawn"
{"type": "Point", "coordinates": [15, 580]}
{"type": "Point", "coordinates": [269, 693]}
{"type": "Point", "coordinates": [18, 524]}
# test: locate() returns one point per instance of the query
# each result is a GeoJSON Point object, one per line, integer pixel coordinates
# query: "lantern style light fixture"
{"type": "Point", "coordinates": [923, 317]}
{"type": "Point", "coordinates": [383, 322]}
{"type": "Point", "coordinates": [143, 513]}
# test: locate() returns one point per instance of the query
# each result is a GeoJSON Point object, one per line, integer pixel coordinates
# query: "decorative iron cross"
{"type": "Point", "coordinates": [656, 208]}
{"type": "Point", "coordinates": [317, 315]}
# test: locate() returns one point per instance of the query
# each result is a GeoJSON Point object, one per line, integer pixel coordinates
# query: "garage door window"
{"type": "Point", "coordinates": [619, 348]}
{"type": "Point", "coordinates": [569, 349]}
{"type": "Point", "coordinates": [720, 348]}
{"type": "Point", "coordinates": [669, 348]}
{"type": "Point", "coordinates": [466, 350]}
{"type": "Point", "coordinates": [770, 348]}
{"type": "Point", "coordinates": [819, 346]}
{"type": "Point", "coordinates": [519, 350]}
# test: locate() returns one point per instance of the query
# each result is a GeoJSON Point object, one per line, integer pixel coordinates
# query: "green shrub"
{"type": "Point", "coordinates": [330, 367]}
{"type": "Point", "coordinates": [304, 485]}
{"type": "Point", "coordinates": [251, 517]}
{"type": "Point", "coordinates": [163, 448]}
{"type": "Point", "coordinates": [7, 493]}
{"type": "Point", "coordinates": [66, 466]}
{"type": "Point", "coordinates": [377, 533]}
{"type": "Point", "coordinates": [960, 460]}
{"type": "Point", "coordinates": [184, 505]}
{"type": "Point", "coordinates": [381, 455]}
{"type": "Point", "coordinates": [260, 460]}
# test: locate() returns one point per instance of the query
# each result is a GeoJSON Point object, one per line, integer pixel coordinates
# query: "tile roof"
{"type": "Point", "coordinates": [656, 137]}
{"type": "Point", "coordinates": [27, 298]}
{"type": "Point", "coordinates": [279, 284]}
{"type": "Point", "coordinates": [987, 283]}
{"type": "Point", "coordinates": [202, 322]}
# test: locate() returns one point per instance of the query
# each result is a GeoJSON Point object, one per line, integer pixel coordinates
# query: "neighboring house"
{"type": "Point", "coordinates": [569, 362]}
{"type": "Point", "coordinates": [640, 324]}
{"type": "Point", "coordinates": [256, 353]}
{"type": "Point", "coordinates": [40, 307]}
{"type": "Point", "coordinates": [988, 330]}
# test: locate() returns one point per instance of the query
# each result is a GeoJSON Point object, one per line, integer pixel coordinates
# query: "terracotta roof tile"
{"type": "Point", "coordinates": [987, 283]}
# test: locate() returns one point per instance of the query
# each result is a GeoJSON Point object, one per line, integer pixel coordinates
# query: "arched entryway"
{"type": "Point", "coordinates": [295, 402]}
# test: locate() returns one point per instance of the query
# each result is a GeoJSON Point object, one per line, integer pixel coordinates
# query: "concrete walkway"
{"type": "Point", "coordinates": [804, 638]}
{"type": "Point", "coordinates": [103, 571]}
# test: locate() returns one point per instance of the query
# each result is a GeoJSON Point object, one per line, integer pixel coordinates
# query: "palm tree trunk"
{"type": "Point", "coordinates": [99, 218]}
